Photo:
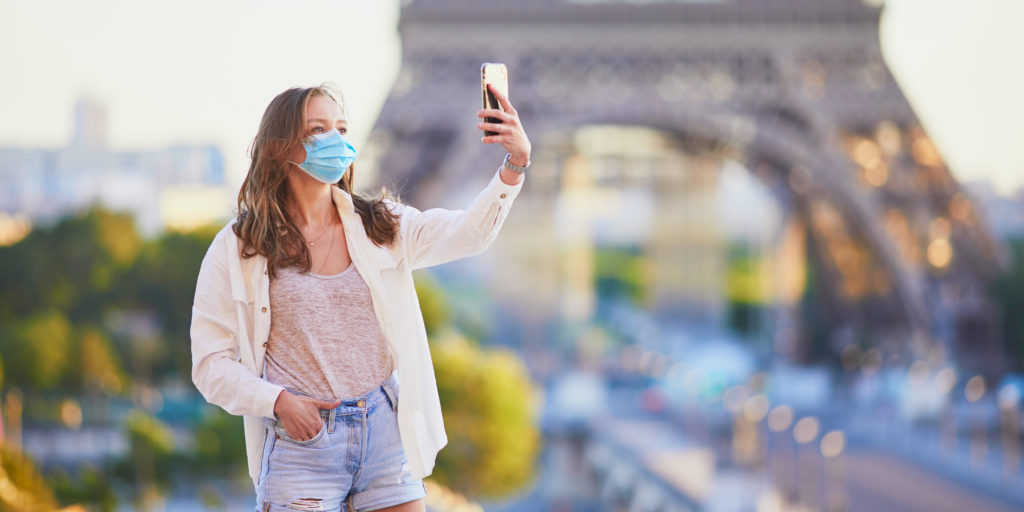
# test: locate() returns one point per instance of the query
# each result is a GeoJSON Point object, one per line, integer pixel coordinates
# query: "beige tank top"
{"type": "Point", "coordinates": [324, 337]}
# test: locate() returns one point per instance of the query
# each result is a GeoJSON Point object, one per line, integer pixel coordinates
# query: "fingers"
{"type": "Point", "coordinates": [308, 431]}
{"type": "Point", "coordinates": [302, 427]}
{"type": "Point", "coordinates": [309, 424]}
{"type": "Point", "coordinates": [500, 138]}
{"type": "Point", "coordinates": [494, 127]}
{"type": "Point", "coordinates": [510, 132]}
{"type": "Point", "coordinates": [502, 100]}
{"type": "Point", "coordinates": [507, 134]}
{"type": "Point", "coordinates": [493, 112]}
{"type": "Point", "coordinates": [324, 404]}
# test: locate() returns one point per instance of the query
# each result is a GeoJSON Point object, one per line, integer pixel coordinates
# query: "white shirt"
{"type": "Point", "coordinates": [231, 315]}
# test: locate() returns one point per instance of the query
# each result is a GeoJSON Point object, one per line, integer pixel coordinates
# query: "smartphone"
{"type": "Point", "coordinates": [496, 74]}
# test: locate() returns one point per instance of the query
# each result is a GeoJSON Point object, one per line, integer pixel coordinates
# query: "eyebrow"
{"type": "Point", "coordinates": [324, 121]}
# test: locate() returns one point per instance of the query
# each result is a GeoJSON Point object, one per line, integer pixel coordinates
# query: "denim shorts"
{"type": "Point", "coordinates": [354, 463]}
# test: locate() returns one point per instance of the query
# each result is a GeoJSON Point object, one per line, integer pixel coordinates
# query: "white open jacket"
{"type": "Point", "coordinates": [231, 315]}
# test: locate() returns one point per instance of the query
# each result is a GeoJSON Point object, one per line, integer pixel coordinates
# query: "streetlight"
{"type": "Point", "coordinates": [974, 390]}
{"type": "Point", "coordinates": [806, 431]}
{"type": "Point", "coordinates": [779, 419]}
{"type": "Point", "coordinates": [1009, 396]}
{"type": "Point", "coordinates": [945, 380]}
{"type": "Point", "coordinates": [833, 444]}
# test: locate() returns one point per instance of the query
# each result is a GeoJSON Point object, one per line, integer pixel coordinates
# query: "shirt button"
{"type": "Point", "coordinates": [265, 344]}
{"type": "Point", "coordinates": [263, 309]}
{"type": "Point", "coordinates": [502, 196]}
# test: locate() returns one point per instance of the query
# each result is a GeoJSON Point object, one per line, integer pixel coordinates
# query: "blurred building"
{"type": "Point", "coordinates": [642, 115]}
{"type": "Point", "coordinates": [169, 187]}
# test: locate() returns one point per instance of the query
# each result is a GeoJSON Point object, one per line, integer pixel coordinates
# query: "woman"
{"type": "Point", "coordinates": [306, 321]}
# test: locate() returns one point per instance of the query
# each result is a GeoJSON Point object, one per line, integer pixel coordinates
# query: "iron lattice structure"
{"type": "Point", "coordinates": [797, 90]}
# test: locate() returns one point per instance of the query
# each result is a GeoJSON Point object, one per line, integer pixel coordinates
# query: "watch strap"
{"type": "Point", "coordinates": [513, 167]}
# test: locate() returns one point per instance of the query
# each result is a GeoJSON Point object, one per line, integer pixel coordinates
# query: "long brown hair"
{"type": "Point", "coordinates": [262, 224]}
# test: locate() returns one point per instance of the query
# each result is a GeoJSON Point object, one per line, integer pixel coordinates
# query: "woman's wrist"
{"type": "Point", "coordinates": [279, 402]}
{"type": "Point", "coordinates": [510, 177]}
{"type": "Point", "coordinates": [519, 160]}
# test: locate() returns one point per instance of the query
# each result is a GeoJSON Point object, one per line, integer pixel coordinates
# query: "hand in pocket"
{"type": "Point", "coordinates": [299, 416]}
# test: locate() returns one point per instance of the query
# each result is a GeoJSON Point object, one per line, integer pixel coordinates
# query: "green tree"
{"type": "Point", "coordinates": [488, 408]}
{"type": "Point", "coordinates": [436, 313]}
{"type": "Point", "coordinates": [90, 487]}
{"type": "Point", "coordinates": [22, 488]}
{"type": "Point", "coordinates": [163, 279]}
{"type": "Point", "coordinates": [151, 456]}
{"type": "Point", "coordinates": [622, 272]}
{"type": "Point", "coordinates": [218, 447]}
{"type": "Point", "coordinates": [747, 288]}
{"type": "Point", "coordinates": [38, 350]}
{"type": "Point", "coordinates": [74, 266]}
{"type": "Point", "coordinates": [100, 370]}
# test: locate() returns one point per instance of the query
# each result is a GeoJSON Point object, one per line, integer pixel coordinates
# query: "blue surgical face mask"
{"type": "Point", "coordinates": [328, 155]}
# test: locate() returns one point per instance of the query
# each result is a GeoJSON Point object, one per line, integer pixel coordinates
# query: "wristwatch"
{"type": "Point", "coordinates": [513, 167]}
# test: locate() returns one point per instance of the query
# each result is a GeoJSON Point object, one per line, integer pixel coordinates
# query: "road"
{"type": "Point", "coordinates": [880, 482]}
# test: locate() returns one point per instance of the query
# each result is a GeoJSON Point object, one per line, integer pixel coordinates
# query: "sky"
{"type": "Point", "coordinates": [188, 71]}
{"type": "Point", "coordinates": [959, 64]}
{"type": "Point", "coordinates": [201, 71]}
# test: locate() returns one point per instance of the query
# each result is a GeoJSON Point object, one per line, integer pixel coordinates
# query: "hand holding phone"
{"type": "Point", "coordinates": [501, 123]}
{"type": "Point", "coordinates": [496, 75]}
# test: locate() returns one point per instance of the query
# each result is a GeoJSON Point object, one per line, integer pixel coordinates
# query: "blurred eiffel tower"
{"type": "Point", "coordinates": [795, 90]}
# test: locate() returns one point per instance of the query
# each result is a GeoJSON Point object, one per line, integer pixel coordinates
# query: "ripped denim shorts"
{"type": "Point", "coordinates": [355, 463]}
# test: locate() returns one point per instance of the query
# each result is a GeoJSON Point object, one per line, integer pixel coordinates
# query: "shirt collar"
{"type": "Point", "coordinates": [342, 200]}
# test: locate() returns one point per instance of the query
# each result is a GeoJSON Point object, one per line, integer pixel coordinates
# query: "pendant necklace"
{"type": "Point", "coordinates": [322, 233]}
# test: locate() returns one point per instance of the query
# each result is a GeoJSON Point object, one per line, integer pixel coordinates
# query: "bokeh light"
{"type": "Point", "coordinates": [832, 443]}
{"type": "Point", "coordinates": [806, 430]}
{"type": "Point", "coordinates": [756, 408]}
{"type": "Point", "coordinates": [780, 418]}
{"type": "Point", "coordinates": [945, 380]}
{"type": "Point", "coordinates": [975, 388]}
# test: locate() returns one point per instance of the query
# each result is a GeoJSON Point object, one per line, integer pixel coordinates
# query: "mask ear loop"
{"type": "Point", "coordinates": [302, 141]}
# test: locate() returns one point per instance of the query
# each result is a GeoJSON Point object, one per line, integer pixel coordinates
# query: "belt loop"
{"type": "Point", "coordinates": [330, 420]}
{"type": "Point", "coordinates": [391, 395]}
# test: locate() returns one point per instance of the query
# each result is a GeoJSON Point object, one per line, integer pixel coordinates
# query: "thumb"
{"type": "Point", "coordinates": [324, 404]}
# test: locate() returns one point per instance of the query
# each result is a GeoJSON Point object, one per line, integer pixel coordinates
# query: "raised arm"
{"type": "Point", "coordinates": [436, 236]}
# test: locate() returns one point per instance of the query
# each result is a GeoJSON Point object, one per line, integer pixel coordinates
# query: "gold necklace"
{"type": "Point", "coordinates": [322, 233]}
{"type": "Point", "coordinates": [327, 256]}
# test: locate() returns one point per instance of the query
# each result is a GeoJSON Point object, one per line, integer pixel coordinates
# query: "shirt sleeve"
{"type": "Point", "coordinates": [435, 236]}
{"type": "Point", "coordinates": [217, 371]}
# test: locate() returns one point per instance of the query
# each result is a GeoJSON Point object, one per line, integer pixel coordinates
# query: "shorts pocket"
{"type": "Point", "coordinates": [283, 434]}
